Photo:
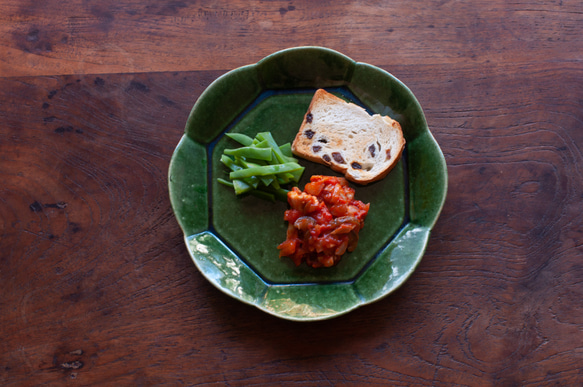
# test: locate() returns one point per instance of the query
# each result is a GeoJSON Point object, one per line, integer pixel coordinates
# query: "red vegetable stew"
{"type": "Point", "coordinates": [323, 222]}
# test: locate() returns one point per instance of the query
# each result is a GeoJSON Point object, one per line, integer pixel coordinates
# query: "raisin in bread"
{"type": "Point", "coordinates": [345, 137]}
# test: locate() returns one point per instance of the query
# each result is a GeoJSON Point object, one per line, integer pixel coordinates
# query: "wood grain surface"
{"type": "Point", "coordinates": [97, 285]}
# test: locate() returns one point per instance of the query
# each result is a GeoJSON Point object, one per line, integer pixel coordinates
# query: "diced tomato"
{"type": "Point", "coordinates": [314, 187]}
{"type": "Point", "coordinates": [323, 222]}
{"type": "Point", "coordinates": [323, 215]}
{"type": "Point", "coordinates": [287, 248]}
{"type": "Point", "coordinates": [339, 210]}
{"type": "Point", "coordinates": [292, 232]}
{"type": "Point", "coordinates": [292, 215]}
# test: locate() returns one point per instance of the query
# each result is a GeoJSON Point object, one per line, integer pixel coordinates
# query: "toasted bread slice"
{"type": "Point", "coordinates": [345, 137]}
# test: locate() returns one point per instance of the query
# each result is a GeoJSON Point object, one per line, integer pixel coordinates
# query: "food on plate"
{"type": "Point", "coordinates": [323, 222]}
{"type": "Point", "coordinates": [260, 167]}
{"type": "Point", "coordinates": [345, 137]}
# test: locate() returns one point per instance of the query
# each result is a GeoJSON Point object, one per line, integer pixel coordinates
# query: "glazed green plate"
{"type": "Point", "coordinates": [233, 240]}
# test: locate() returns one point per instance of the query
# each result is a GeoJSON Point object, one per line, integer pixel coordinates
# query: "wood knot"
{"type": "Point", "coordinates": [73, 365]}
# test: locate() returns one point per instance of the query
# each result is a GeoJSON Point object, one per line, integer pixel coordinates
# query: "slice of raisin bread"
{"type": "Point", "coordinates": [345, 137]}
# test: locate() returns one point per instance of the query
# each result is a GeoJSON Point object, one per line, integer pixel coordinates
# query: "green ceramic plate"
{"type": "Point", "coordinates": [233, 240]}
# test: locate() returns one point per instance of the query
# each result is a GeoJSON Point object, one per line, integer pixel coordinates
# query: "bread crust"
{"type": "Point", "coordinates": [343, 136]}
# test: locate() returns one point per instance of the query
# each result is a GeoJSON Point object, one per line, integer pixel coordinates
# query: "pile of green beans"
{"type": "Point", "coordinates": [260, 167]}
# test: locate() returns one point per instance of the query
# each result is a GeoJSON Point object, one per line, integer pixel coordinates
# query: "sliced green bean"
{"type": "Point", "coordinates": [296, 174]}
{"type": "Point", "coordinates": [241, 187]}
{"type": "Point", "coordinates": [267, 180]}
{"type": "Point", "coordinates": [266, 170]}
{"type": "Point", "coordinates": [249, 164]}
{"type": "Point", "coordinates": [262, 144]}
{"type": "Point", "coordinates": [230, 163]}
{"type": "Point", "coordinates": [286, 150]}
{"type": "Point", "coordinates": [241, 138]}
{"type": "Point", "coordinates": [266, 136]}
{"type": "Point", "coordinates": [260, 166]}
{"type": "Point", "coordinates": [226, 182]}
{"type": "Point", "coordinates": [250, 152]}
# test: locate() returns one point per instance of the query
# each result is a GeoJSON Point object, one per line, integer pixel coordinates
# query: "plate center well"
{"type": "Point", "coordinates": [253, 228]}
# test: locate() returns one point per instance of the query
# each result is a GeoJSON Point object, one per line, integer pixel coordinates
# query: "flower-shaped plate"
{"type": "Point", "coordinates": [233, 240]}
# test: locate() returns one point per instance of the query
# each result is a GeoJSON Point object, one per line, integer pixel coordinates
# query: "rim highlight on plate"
{"type": "Point", "coordinates": [233, 241]}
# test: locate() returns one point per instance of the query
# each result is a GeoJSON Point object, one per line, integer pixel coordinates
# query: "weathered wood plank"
{"type": "Point", "coordinates": [79, 37]}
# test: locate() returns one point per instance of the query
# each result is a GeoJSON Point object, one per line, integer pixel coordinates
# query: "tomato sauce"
{"type": "Point", "coordinates": [323, 222]}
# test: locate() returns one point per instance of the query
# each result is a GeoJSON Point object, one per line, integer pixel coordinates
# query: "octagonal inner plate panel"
{"type": "Point", "coordinates": [251, 226]}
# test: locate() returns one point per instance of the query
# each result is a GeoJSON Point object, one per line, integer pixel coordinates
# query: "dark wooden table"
{"type": "Point", "coordinates": [97, 287]}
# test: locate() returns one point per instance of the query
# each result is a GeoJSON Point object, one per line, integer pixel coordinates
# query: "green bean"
{"type": "Point", "coordinates": [266, 136]}
{"type": "Point", "coordinates": [250, 152]}
{"type": "Point", "coordinates": [284, 178]}
{"type": "Point", "coordinates": [241, 138]}
{"type": "Point", "coordinates": [241, 187]}
{"type": "Point", "coordinates": [267, 180]}
{"type": "Point", "coordinates": [225, 182]}
{"type": "Point", "coordinates": [262, 144]}
{"type": "Point", "coordinates": [249, 164]}
{"type": "Point", "coordinates": [260, 167]}
{"type": "Point", "coordinates": [253, 181]}
{"type": "Point", "coordinates": [286, 150]}
{"type": "Point", "coordinates": [230, 163]}
{"type": "Point", "coordinates": [266, 170]}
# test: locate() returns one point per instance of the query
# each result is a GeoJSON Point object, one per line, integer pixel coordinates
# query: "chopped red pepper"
{"type": "Point", "coordinates": [323, 222]}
